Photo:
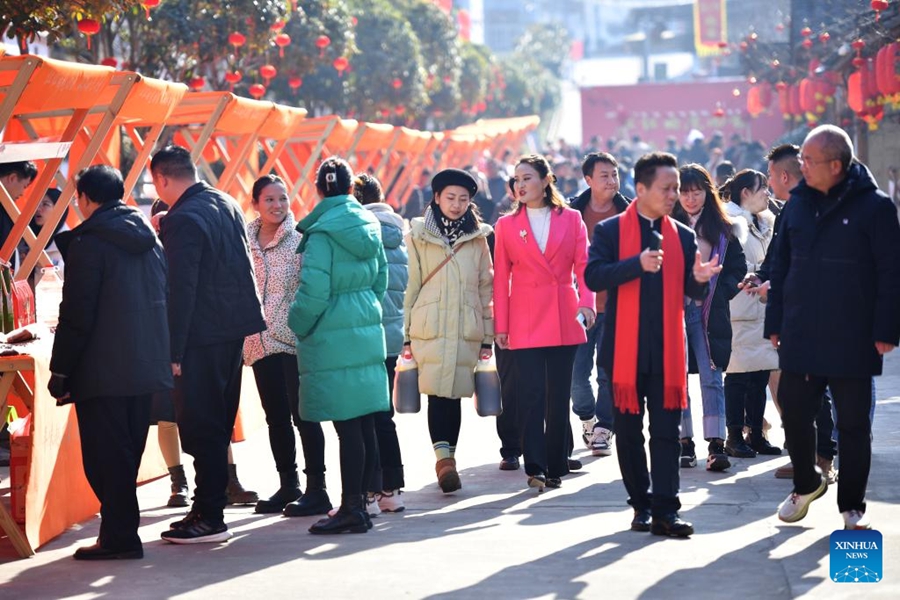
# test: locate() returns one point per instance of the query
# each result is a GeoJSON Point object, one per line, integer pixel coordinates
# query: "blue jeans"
{"type": "Point", "coordinates": [583, 403]}
{"type": "Point", "coordinates": [712, 391]}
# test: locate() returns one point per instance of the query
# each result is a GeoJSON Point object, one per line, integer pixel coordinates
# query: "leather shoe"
{"type": "Point", "coordinates": [574, 464]}
{"type": "Point", "coordinates": [97, 552]}
{"type": "Point", "coordinates": [671, 525]}
{"type": "Point", "coordinates": [641, 520]}
{"type": "Point", "coordinates": [509, 463]}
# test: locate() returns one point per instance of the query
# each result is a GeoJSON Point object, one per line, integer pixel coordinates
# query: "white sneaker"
{"type": "Point", "coordinates": [856, 519]}
{"type": "Point", "coordinates": [795, 506]}
{"type": "Point", "coordinates": [601, 439]}
{"type": "Point", "coordinates": [372, 506]}
{"type": "Point", "coordinates": [389, 501]}
{"type": "Point", "coordinates": [587, 431]}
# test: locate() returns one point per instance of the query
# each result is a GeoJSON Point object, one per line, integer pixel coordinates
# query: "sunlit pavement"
{"type": "Point", "coordinates": [496, 538]}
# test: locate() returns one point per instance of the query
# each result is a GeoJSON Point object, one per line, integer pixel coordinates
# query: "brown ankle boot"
{"type": "Point", "coordinates": [447, 476]}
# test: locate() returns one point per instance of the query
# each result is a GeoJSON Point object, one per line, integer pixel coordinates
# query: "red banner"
{"type": "Point", "coordinates": [710, 26]}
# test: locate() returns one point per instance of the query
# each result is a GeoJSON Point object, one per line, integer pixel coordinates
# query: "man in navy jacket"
{"type": "Point", "coordinates": [832, 313]}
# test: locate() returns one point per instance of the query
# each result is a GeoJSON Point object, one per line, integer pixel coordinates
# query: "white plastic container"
{"type": "Point", "coordinates": [48, 296]}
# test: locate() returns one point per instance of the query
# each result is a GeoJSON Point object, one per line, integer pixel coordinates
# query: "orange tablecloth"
{"type": "Point", "coordinates": [58, 494]}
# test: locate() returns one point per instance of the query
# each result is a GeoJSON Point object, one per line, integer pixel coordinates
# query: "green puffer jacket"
{"type": "Point", "coordinates": [336, 313]}
{"type": "Point", "coordinates": [398, 275]}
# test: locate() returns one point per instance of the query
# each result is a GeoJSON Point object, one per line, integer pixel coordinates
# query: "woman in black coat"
{"type": "Point", "coordinates": [708, 322]}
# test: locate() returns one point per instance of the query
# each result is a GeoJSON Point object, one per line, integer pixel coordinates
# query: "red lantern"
{"type": "Point", "coordinates": [784, 98]}
{"type": "Point", "coordinates": [399, 109]}
{"type": "Point", "coordinates": [148, 4]}
{"type": "Point", "coordinates": [340, 64]}
{"type": "Point", "coordinates": [89, 27]}
{"type": "Point", "coordinates": [397, 83]}
{"type": "Point", "coordinates": [824, 37]}
{"type": "Point", "coordinates": [719, 112]}
{"type": "Point", "coordinates": [268, 72]}
{"type": "Point", "coordinates": [109, 61]}
{"type": "Point", "coordinates": [878, 6]}
{"type": "Point", "coordinates": [807, 95]}
{"type": "Point", "coordinates": [858, 45]}
{"type": "Point", "coordinates": [885, 69]}
{"type": "Point", "coordinates": [277, 26]}
{"type": "Point", "coordinates": [196, 83]}
{"type": "Point", "coordinates": [722, 44]}
{"type": "Point", "coordinates": [855, 92]}
{"type": "Point", "coordinates": [257, 90]}
{"type": "Point", "coordinates": [807, 43]}
{"type": "Point", "coordinates": [237, 39]}
{"type": "Point", "coordinates": [779, 28]}
{"type": "Point", "coordinates": [796, 109]}
{"type": "Point", "coordinates": [743, 46]}
{"type": "Point", "coordinates": [806, 32]}
{"type": "Point", "coordinates": [322, 42]}
{"type": "Point", "coordinates": [233, 78]}
{"type": "Point", "coordinates": [859, 62]}
{"type": "Point", "coordinates": [752, 37]}
{"type": "Point", "coordinates": [282, 40]}
{"type": "Point", "coordinates": [295, 82]}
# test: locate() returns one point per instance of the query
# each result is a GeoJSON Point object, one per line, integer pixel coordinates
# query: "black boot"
{"type": "Point", "coordinates": [288, 492]}
{"type": "Point", "coordinates": [350, 517]}
{"type": "Point", "coordinates": [235, 491]}
{"type": "Point", "coordinates": [314, 502]}
{"type": "Point", "coordinates": [179, 487]}
{"type": "Point", "coordinates": [736, 446]}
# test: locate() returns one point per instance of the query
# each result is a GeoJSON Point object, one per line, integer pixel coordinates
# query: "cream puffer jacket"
{"type": "Point", "coordinates": [277, 269]}
{"type": "Point", "coordinates": [750, 351]}
{"type": "Point", "coordinates": [448, 319]}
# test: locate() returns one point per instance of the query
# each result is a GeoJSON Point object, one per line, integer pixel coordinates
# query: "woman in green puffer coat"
{"type": "Point", "coordinates": [336, 316]}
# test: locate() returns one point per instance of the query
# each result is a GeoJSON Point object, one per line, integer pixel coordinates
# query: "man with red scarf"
{"type": "Point", "coordinates": [644, 345]}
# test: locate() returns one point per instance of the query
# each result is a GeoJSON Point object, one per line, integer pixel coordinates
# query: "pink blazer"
{"type": "Point", "coordinates": [535, 298]}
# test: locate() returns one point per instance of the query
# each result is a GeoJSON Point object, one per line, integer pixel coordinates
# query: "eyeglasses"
{"type": "Point", "coordinates": [813, 161]}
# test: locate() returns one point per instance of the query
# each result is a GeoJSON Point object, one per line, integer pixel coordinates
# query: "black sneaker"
{"type": "Point", "coordinates": [198, 531]}
{"type": "Point", "coordinates": [688, 454]}
{"type": "Point", "coordinates": [717, 459]}
{"type": "Point", "coordinates": [192, 514]}
{"type": "Point", "coordinates": [763, 447]}
{"type": "Point", "coordinates": [738, 448]}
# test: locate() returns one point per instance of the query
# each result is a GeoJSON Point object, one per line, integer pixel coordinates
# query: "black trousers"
{"type": "Point", "coordinates": [801, 400]}
{"type": "Point", "coordinates": [113, 433]}
{"type": "Point", "coordinates": [359, 451]}
{"type": "Point", "coordinates": [665, 450]}
{"type": "Point", "coordinates": [745, 393]}
{"type": "Point", "coordinates": [278, 381]}
{"type": "Point", "coordinates": [444, 419]}
{"type": "Point", "coordinates": [507, 430]}
{"type": "Point", "coordinates": [207, 395]}
{"type": "Point", "coordinates": [389, 468]}
{"type": "Point", "coordinates": [826, 446]}
{"type": "Point", "coordinates": [544, 382]}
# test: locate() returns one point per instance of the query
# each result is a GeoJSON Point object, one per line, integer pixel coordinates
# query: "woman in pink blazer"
{"type": "Point", "coordinates": [541, 250]}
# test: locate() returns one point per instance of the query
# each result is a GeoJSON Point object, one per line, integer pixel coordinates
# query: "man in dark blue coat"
{"type": "Point", "coordinates": [213, 306]}
{"type": "Point", "coordinates": [832, 313]}
{"type": "Point", "coordinates": [111, 350]}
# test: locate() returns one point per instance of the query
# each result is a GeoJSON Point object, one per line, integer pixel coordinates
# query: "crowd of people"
{"type": "Point", "coordinates": [732, 280]}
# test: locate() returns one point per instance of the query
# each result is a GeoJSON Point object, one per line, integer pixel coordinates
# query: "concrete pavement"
{"type": "Point", "coordinates": [496, 538]}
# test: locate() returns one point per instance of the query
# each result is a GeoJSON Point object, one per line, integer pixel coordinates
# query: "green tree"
{"type": "Point", "coordinates": [24, 19]}
{"type": "Point", "coordinates": [477, 70]}
{"type": "Point", "coordinates": [440, 47]}
{"type": "Point", "coordinates": [547, 43]}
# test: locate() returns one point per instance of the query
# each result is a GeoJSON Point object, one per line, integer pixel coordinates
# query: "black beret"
{"type": "Point", "coordinates": [454, 177]}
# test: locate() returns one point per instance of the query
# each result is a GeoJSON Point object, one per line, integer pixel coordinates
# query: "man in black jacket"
{"type": "Point", "coordinates": [111, 350]}
{"type": "Point", "coordinates": [653, 348]}
{"type": "Point", "coordinates": [832, 313]}
{"type": "Point", "coordinates": [600, 201]}
{"type": "Point", "coordinates": [213, 306]}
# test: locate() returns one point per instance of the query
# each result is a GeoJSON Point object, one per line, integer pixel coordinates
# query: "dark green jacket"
{"type": "Point", "coordinates": [336, 313]}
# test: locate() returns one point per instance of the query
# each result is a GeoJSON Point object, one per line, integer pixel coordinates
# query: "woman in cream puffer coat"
{"type": "Point", "coordinates": [752, 356]}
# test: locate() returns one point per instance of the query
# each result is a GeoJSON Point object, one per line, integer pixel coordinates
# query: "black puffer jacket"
{"type": "Point", "coordinates": [836, 278]}
{"type": "Point", "coordinates": [212, 291]}
{"type": "Point", "coordinates": [113, 338]}
{"type": "Point", "coordinates": [581, 201]}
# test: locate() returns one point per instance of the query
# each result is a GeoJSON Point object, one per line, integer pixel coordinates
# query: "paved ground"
{"type": "Point", "coordinates": [496, 538]}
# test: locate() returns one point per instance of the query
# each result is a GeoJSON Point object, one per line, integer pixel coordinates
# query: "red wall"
{"type": "Point", "coordinates": [656, 111]}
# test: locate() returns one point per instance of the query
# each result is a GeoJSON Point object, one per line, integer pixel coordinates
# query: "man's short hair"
{"type": "Point", "coordinates": [591, 160]}
{"type": "Point", "coordinates": [836, 143]}
{"type": "Point", "coordinates": [787, 156]}
{"type": "Point", "coordinates": [174, 162]}
{"type": "Point", "coordinates": [23, 169]}
{"type": "Point", "coordinates": [101, 184]}
{"type": "Point", "coordinates": [725, 170]}
{"type": "Point", "coordinates": [645, 167]}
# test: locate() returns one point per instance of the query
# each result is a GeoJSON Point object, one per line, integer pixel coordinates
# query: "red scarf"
{"type": "Point", "coordinates": [628, 319]}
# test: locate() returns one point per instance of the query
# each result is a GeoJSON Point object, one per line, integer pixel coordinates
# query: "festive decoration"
{"type": "Point", "coordinates": [322, 42]}
{"type": "Point", "coordinates": [257, 90]}
{"type": "Point", "coordinates": [878, 6]}
{"type": "Point", "coordinates": [237, 39]}
{"type": "Point", "coordinates": [148, 4]}
{"type": "Point", "coordinates": [109, 61]}
{"type": "Point", "coordinates": [196, 83]}
{"type": "Point", "coordinates": [295, 82]}
{"type": "Point", "coordinates": [886, 69]}
{"type": "Point", "coordinates": [268, 72]}
{"type": "Point", "coordinates": [340, 64]}
{"type": "Point", "coordinates": [397, 83]}
{"type": "Point", "coordinates": [806, 32]}
{"type": "Point", "coordinates": [233, 78]}
{"type": "Point", "coordinates": [89, 27]}
{"type": "Point", "coordinates": [719, 112]}
{"type": "Point", "coordinates": [282, 40]}
{"type": "Point", "coordinates": [824, 37]}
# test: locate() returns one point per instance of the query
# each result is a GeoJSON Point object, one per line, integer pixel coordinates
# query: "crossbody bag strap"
{"type": "Point", "coordinates": [439, 267]}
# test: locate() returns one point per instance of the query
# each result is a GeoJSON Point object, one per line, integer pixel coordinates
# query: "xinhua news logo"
{"type": "Point", "coordinates": [856, 556]}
